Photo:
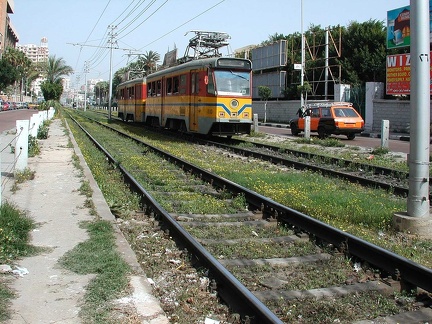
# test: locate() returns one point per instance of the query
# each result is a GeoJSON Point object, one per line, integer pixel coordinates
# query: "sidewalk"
{"type": "Point", "coordinates": [48, 293]}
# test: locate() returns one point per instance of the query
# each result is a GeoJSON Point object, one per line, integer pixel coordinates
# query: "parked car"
{"type": "Point", "coordinates": [338, 118]}
{"type": "Point", "coordinates": [5, 106]}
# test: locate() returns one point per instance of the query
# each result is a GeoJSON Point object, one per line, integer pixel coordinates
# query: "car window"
{"type": "Point", "coordinates": [339, 112]}
{"type": "Point", "coordinates": [325, 112]}
{"type": "Point", "coordinates": [315, 112]}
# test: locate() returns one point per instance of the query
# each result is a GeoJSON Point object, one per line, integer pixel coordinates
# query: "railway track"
{"type": "Point", "coordinates": [392, 180]}
{"type": "Point", "coordinates": [264, 262]}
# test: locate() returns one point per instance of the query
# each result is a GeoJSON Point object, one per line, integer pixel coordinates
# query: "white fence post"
{"type": "Point", "coordinates": [385, 133]}
{"type": "Point", "coordinates": [21, 146]}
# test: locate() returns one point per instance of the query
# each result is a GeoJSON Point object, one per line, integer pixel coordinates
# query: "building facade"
{"type": "Point", "coordinates": [36, 53]}
{"type": "Point", "coordinates": [8, 35]}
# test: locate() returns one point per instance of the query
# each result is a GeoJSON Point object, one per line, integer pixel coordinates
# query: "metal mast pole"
{"type": "Point", "coordinates": [85, 84]}
{"type": "Point", "coordinates": [111, 41]}
{"type": "Point", "coordinates": [326, 70]}
{"type": "Point", "coordinates": [302, 57]}
{"type": "Point", "coordinates": [418, 197]}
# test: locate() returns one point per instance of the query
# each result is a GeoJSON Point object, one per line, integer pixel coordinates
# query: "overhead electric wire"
{"type": "Point", "coordinates": [163, 4]}
{"type": "Point", "coordinates": [99, 56]}
{"type": "Point", "coordinates": [183, 24]}
{"type": "Point", "coordinates": [100, 16]}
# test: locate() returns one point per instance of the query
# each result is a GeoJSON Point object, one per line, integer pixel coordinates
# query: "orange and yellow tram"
{"type": "Point", "coordinates": [210, 96]}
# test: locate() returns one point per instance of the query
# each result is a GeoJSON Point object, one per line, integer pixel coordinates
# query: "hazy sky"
{"type": "Point", "coordinates": [159, 25]}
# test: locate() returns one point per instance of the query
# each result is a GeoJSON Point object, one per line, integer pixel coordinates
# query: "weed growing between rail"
{"type": "Point", "coordinates": [189, 301]}
{"type": "Point", "coordinates": [156, 251]}
{"type": "Point", "coordinates": [361, 211]}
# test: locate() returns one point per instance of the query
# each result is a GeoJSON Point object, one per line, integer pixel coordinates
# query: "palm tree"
{"type": "Point", "coordinates": [22, 64]}
{"type": "Point", "coordinates": [149, 61]}
{"type": "Point", "coordinates": [55, 69]}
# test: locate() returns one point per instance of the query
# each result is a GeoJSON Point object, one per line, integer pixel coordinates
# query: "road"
{"type": "Point", "coordinates": [8, 121]}
{"type": "Point", "coordinates": [8, 118]}
{"type": "Point", "coordinates": [370, 142]}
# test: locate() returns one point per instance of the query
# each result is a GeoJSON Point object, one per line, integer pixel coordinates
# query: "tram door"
{"type": "Point", "coordinates": [194, 105]}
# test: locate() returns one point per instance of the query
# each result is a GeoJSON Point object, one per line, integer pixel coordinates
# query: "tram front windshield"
{"type": "Point", "coordinates": [232, 83]}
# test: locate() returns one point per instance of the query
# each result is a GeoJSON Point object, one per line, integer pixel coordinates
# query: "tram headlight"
{"type": "Point", "coordinates": [234, 103]}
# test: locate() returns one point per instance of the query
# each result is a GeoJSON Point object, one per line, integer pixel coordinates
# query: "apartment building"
{"type": "Point", "coordinates": [36, 53]}
{"type": "Point", "coordinates": [8, 35]}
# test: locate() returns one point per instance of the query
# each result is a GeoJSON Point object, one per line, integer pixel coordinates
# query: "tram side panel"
{"type": "Point", "coordinates": [131, 96]}
{"type": "Point", "coordinates": [189, 102]}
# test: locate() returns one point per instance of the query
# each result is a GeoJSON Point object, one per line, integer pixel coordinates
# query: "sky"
{"type": "Point", "coordinates": [77, 30]}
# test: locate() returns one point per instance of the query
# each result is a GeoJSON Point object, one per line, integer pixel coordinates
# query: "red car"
{"type": "Point", "coordinates": [5, 106]}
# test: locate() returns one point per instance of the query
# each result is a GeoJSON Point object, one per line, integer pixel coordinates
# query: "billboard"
{"type": "Point", "coordinates": [270, 56]}
{"type": "Point", "coordinates": [398, 74]}
{"type": "Point", "coordinates": [398, 26]}
{"type": "Point", "coordinates": [274, 80]}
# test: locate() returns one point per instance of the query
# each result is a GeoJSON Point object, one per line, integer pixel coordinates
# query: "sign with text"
{"type": "Point", "coordinates": [398, 74]}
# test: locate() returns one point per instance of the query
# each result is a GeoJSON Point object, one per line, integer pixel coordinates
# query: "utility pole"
{"type": "Point", "coordinates": [417, 219]}
{"type": "Point", "coordinates": [86, 70]}
{"type": "Point", "coordinates": [302, 58]}
{"type": "Point", "coordinates": [326, 69]}
{"type": "Point", "coordinates": [418, 197]}
{"type": "Point", "coordinates": [111, 42]}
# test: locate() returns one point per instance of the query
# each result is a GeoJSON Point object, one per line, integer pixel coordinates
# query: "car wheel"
{"type": "Point", "coordinates": [322, 133]}
{"type": "Point", "coordinates": [294, 129]}
{"type": "Point", "coordinates": [351, 136]}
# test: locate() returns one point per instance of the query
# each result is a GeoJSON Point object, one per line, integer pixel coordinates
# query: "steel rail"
{"type": "Point", "coordinates": [410, 273]}
{"type": "Point", "coordinates": [399, 267]}
{"type": "Point", "coordinates": [228, 287]}
{"type": "Point", "coordinates": [401, 191]}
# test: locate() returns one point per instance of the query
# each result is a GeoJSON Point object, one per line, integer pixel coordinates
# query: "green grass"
{"type": "Point", "coordinates": [98, 255]}
{"type": "Point", "coordinates": [15, 227]}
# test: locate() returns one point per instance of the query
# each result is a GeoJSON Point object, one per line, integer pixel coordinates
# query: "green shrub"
{"type": "Point", "coordinates": [43, 130]}
{"type": "Point", "coordinates": [15, 227]}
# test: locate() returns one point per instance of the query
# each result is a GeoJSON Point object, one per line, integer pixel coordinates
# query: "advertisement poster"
{"type": "Point", "coordinates": [398, 74]}
{"type": "Point", "coordinates": [398, 26]}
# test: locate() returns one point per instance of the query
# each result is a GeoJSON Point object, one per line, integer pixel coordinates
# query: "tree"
{"type": "Point", "coordinates": [53, 71]}
{"type": "Point", "coordinates": [8, 74]}
{"type": "Point", "coordinates": [20, 64]}
{"type": "Point", "coordinates": [51, 91]}
{"type": "Point", "coordinates": [264, 92]}
{"type": "Point", "coordinates": [101, 90]}
{"type": "Point", "coordinates": [364, 52]}
{"type": "Point", "coordinates": [150, 60]}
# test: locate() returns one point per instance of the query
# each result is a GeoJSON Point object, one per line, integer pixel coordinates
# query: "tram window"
{"type": "Point", "coordinates": [169, 86]}
{"type": "Point", "coordinates": [183, 84]}
{"type": "Point", "coordinates": [153, 89]}
{"type": "Point", "coordinates": [129, 93]}
{"type": "Point", "coordinates": [138, 91]}
{"type": "Point", "coordinates": [195, 83]}
{"type": "Point", "coordinates": [158, 87]}
{"type": "Point", "coordinates": [210, 84]}
{"type": "Point", "coordinates": [176, 84]}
